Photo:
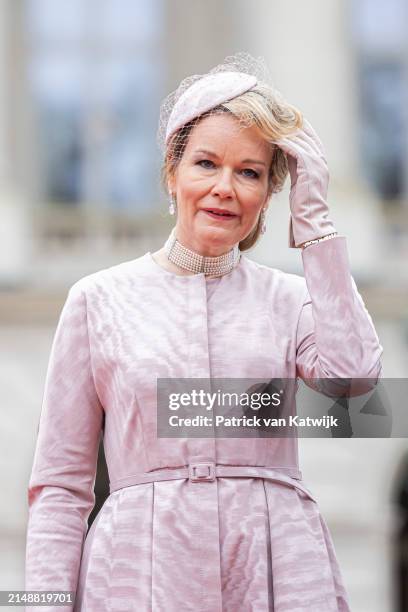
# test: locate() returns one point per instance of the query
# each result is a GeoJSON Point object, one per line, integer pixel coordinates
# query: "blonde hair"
{"type": "Point", "coordinates": [262, 107]}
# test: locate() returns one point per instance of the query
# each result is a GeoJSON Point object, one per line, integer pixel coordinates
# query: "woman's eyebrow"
{"type": "Point", "coordinates": [244, 161]}
{"type": "Point", "coordinates": [253, 161]}
{"type": "Point", "coordinates": [206, 152]}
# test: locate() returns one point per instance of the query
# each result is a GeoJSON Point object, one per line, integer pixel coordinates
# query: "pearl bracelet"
{"type": "Point", "coordinates": [306, 244]}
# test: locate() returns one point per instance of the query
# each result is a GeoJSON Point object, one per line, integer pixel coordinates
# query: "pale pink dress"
{"type": "Point", "coordinates": [232, 544]}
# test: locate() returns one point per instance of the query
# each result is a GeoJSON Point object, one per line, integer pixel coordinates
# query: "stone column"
{"type": "Point", "coordinates": [198, 36]}
{"type": "Point", "coordinates": [14, 234]}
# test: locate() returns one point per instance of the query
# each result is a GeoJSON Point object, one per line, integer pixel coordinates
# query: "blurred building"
{"type": "Point", "coordinates": [81, 84]}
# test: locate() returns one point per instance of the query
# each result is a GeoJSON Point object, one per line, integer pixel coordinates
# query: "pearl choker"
{"type": "Point", "coordinates": [194, 262]}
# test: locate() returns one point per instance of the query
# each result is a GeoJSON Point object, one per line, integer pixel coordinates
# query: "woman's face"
{"type": "Point", "coordinates": [224, 166]}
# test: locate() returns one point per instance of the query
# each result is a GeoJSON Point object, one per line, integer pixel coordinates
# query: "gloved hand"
{"type": "Point", "coordinates": [309, 183]}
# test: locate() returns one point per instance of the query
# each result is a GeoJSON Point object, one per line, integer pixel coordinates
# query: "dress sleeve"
{"type": "Point", "coordinates": [336, 337]}
{"type": "Point", "coordinates": [60, 491]}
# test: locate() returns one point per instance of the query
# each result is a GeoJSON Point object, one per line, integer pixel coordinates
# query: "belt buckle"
{"type": "Point", "coordinates": [201, 472]}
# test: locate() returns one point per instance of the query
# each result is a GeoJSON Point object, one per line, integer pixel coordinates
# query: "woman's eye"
{"type": "Point", "coordinates": [206, 163]}
{"type": "Point", "coordinates": [247, 172]}
{"type": "Point", "coordinates": [251, 173]}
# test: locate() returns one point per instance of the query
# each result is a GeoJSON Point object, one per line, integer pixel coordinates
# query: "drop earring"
{"type": "Point", "coordinates": [263, 223]}
{"type": "Point", "coordinates": [172, 205]}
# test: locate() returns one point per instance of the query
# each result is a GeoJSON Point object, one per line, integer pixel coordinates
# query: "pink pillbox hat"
{"type": "Point", "coordinates": [205, 94]}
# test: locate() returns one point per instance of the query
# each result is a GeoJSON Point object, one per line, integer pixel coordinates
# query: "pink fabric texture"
{"type": "Point", "coordinates": [229, 545]}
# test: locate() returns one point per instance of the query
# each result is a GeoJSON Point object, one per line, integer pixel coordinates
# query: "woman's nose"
{"type": "Point", "coordinates": [223, 186]}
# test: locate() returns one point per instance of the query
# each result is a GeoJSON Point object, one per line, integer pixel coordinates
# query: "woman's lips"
{"type": "Point", "coordinates": [219, 217]}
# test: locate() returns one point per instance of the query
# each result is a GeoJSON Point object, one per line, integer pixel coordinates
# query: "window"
{"type": "Point", "coordinates": [95, 72]}
{"type": "Point", "coordinates": [380, 30]}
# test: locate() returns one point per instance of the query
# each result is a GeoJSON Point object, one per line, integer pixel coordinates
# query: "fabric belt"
{"type": "Point", "coordinates": [208, 471]}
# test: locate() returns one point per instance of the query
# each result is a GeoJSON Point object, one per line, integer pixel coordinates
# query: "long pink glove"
{"type": "Point", "coordinates": [309, 184]}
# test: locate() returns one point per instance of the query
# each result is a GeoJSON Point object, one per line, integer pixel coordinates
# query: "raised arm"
{"type": "Point", "coordinates": [60, 493]}
{"type": "Point", "coordinates": [335, 336]}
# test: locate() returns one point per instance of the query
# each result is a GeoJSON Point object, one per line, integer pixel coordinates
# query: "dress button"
{"type": "Point", "coordinates": [201, 472]}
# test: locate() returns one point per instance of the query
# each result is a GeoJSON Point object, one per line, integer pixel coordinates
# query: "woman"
{"type": "Point", "coordinates": [200, 523]}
